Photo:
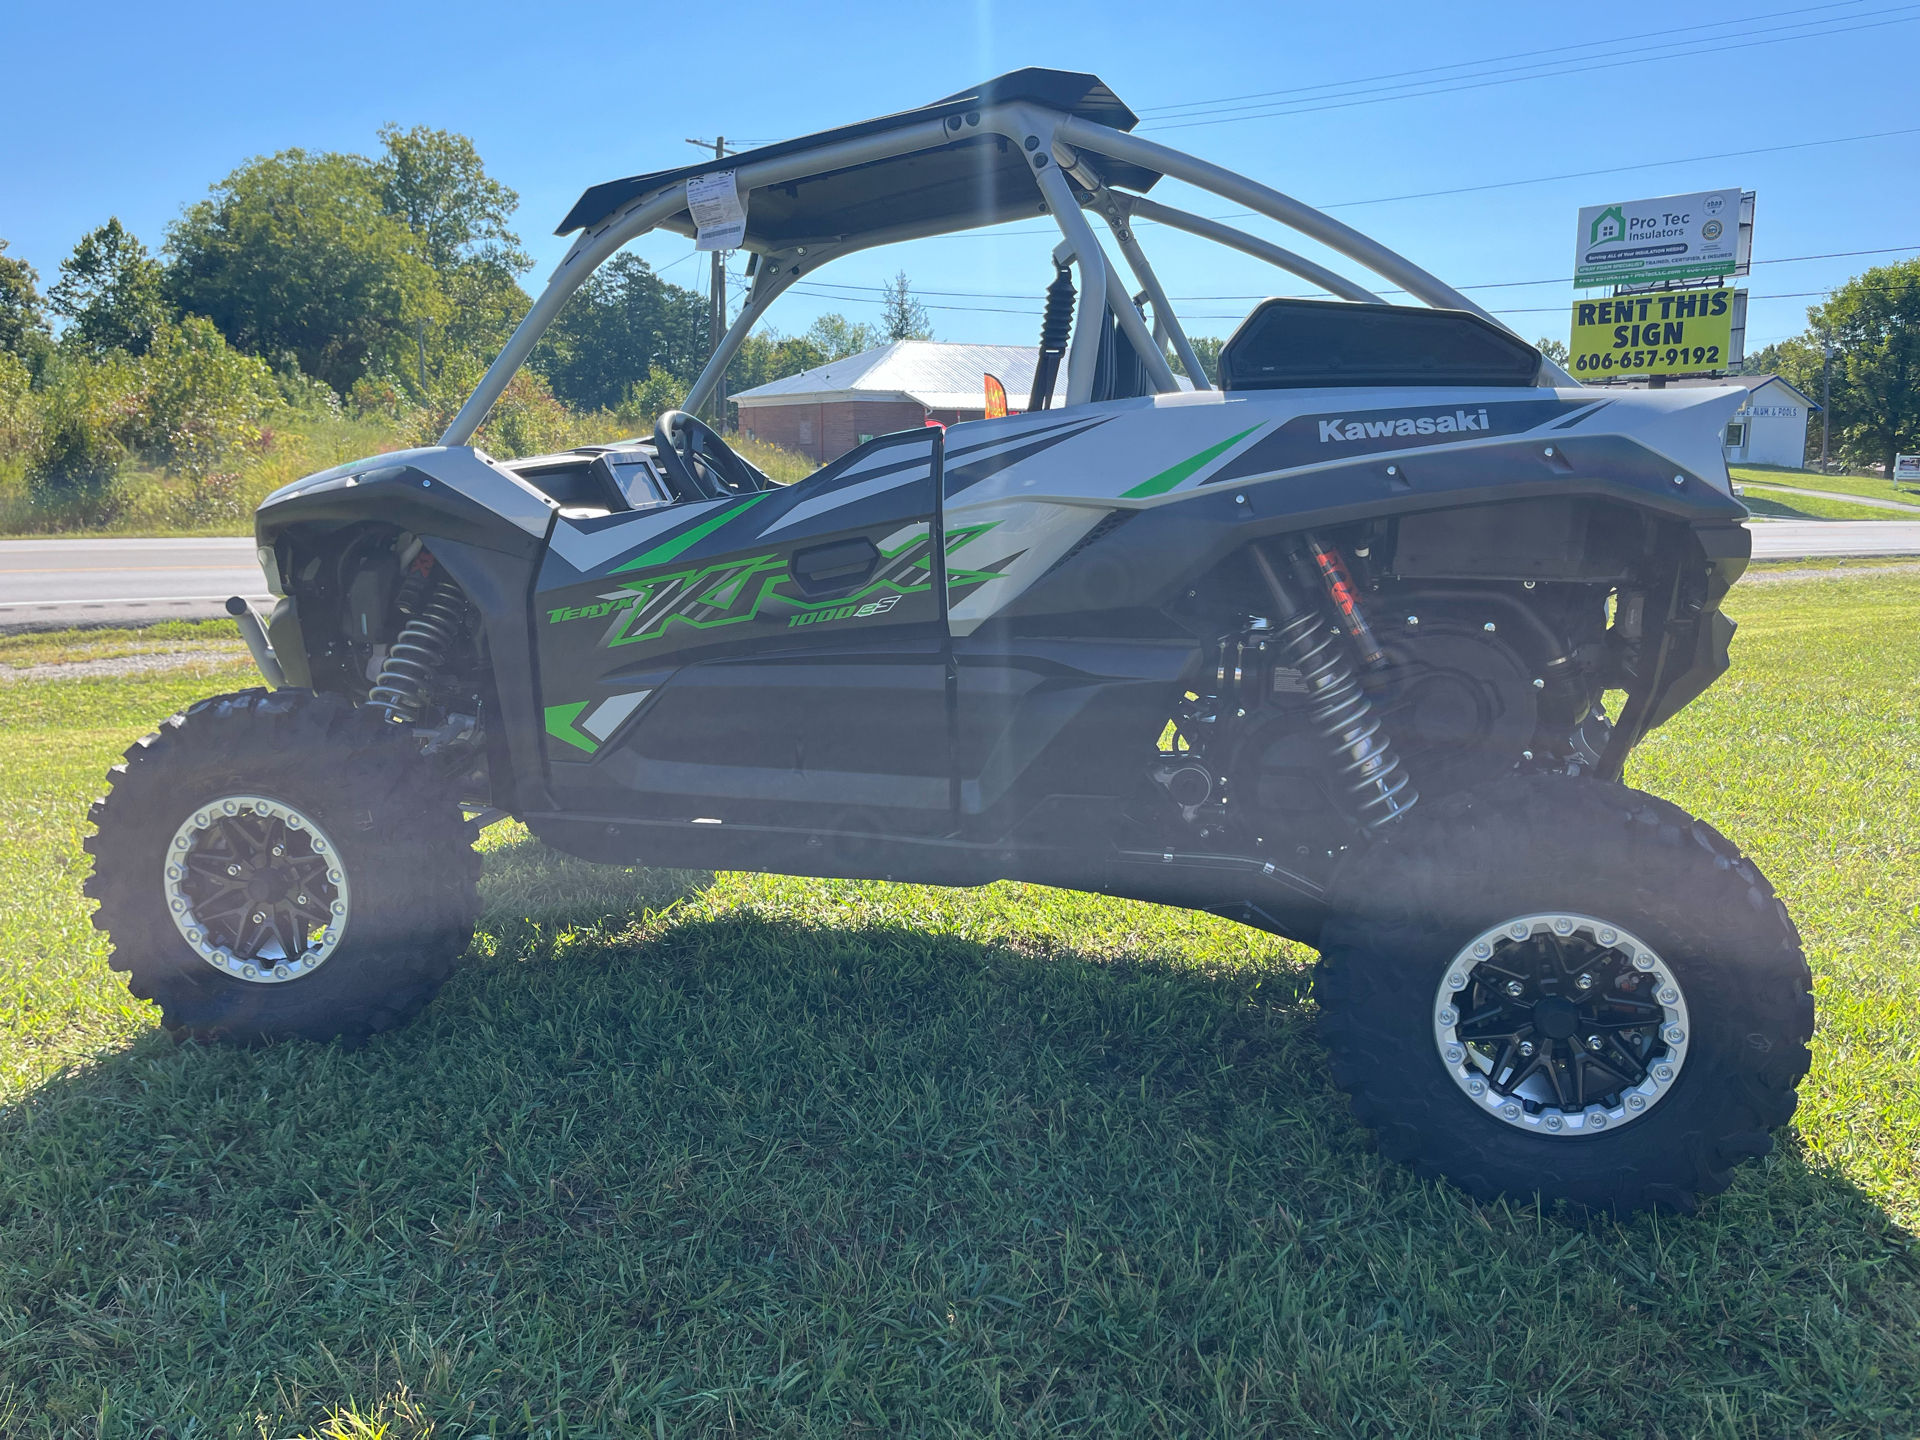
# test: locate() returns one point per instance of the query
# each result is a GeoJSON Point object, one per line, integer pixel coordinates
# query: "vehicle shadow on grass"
{"type": "Point", "coordinates": [809, 1169]}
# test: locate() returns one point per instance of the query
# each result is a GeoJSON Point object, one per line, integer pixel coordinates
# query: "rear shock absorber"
{"type": "Point", "coordinates": [1371, 783]}
{"type": "Point", "coordinates": [1056, 324]}
{"type": "Point", "coordinates": [418, 652]}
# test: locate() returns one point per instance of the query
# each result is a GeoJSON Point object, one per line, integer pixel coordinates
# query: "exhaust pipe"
{"type": "Point", "coordinates": [252, 632]}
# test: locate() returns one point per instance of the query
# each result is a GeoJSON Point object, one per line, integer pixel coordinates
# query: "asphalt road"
{"type": "Point", "coordinates": [53, 584]}
{"type": "Point", "coordinates": [1806, 539]}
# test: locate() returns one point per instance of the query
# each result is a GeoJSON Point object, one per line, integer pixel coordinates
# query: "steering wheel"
{"type": "Point", "coordinates": [698, 462]}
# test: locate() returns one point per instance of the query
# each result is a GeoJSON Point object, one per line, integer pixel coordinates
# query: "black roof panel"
{"type": "Point", "coordinates": [975, 174]}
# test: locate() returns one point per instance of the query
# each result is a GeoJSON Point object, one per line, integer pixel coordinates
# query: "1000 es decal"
{"type": "Point", "coordinates": [845, 612]}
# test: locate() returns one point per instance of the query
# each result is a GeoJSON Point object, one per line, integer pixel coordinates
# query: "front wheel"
{"type": "Point", "coordinates": [279, 865]}
{"type": "Point", "coordinates": [1565, 988]}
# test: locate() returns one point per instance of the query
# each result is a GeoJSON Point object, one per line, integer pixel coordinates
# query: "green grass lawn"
{"type": "Point", "coordinates": [693, 1154]}
{"type": "Point", "coordinates": [1871, 487]}
{"type": "Point", "coordinates": [1765, 500]}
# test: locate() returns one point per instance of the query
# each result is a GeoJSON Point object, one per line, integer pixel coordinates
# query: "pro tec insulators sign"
{"type": "Point", "coordinates": [1676, 237]}
{"type": "Point", "coordinates": [1670, 332]}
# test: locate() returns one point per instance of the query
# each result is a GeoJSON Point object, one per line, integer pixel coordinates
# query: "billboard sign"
{"type": "Point", "coordinates": [1906, 469]}
{"type": "Point", "coordinates": [1674, 332]}
{"type": "Point", "coordinates": [1674, 237]}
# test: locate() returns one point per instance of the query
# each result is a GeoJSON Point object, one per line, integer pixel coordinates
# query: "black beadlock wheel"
{"type": "Point", "coordinates": [1567, 989]}
{"type": "Point", "coordinates": [273, 865]}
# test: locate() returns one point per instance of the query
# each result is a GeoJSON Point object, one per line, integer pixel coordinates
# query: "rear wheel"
{"type": "Point", "coordinates": [273, 865]}
{"type": "Point", "coordinates": [1565, 988]}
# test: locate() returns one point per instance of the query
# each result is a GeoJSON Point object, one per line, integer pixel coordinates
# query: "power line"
{"type": "Point", "coordinates": [1346, 104]}
{"type": "Point", "coordinates": [819, 287]}
{"type": "Point", "coordinates": [1159, 110]}
{"type": "Point", "coordinates": [1499, 184]}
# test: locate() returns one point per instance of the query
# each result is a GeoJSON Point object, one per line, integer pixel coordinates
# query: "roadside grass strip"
{"type": "Point", "coordinates": [691, 1154]}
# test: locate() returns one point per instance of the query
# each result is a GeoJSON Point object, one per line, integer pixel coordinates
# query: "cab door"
{"type": "Point", "coordinates": [774, 658]}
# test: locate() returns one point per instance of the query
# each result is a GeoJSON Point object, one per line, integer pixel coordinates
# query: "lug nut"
{"type": "Point", "coordinates": [300, 900]}
{"type": "Point", "coordinates": [1526, 1048]}
{"type": "Point", "coordinates": [1594, 1042]}
{"type": "Point", "coordinates": [259, 917]}
{"type": "Point", "coordinates": [1516, 989]}
{"type": "Point", "coordinates": [1585, 982]}
{"type": "Point", "coordinates": [279, 849]}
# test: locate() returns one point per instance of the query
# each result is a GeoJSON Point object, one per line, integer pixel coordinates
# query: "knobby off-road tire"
{"type": "Point", "coordinates": [315, 767]}
{"type": "Point", "coordinates": [1409, 914]}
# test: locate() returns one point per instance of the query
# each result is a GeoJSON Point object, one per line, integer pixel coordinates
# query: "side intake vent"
{"type": "Point", "coordinates": [1108, 523]}
{"type": "Point", "coordinates": [1306, 344]}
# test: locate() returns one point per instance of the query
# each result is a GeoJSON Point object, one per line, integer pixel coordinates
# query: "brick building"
{"type": "Point", "coordinates": [826, 411]}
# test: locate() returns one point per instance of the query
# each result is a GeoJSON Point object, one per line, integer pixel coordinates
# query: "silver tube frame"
{"type": "Point", "coordinates": [599, 243]}
{"type": "Point", "coordinates": [1083, 351]}
{"type": "Point", "coordinates": [1049, 129]}
{"type": "Point", "coordinates": [1275, 255]}
{"type": "Point", "coordinates": [1104, 140]}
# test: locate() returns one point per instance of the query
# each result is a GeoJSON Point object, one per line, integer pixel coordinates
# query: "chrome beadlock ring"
{"type": "Point", "coordinates": [1561, 1025]}
{"type": "Point", "coordinates": [272, 867]}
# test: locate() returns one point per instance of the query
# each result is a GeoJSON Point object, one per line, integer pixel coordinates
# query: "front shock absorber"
{"type": "Point", "coordinates": [1371, 784]}
{"type": "Point", "coordinates": [418, 652]}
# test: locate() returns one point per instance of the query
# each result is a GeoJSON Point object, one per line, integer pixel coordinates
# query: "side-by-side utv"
{"type": "Point", "coordinates": [1326, 648]}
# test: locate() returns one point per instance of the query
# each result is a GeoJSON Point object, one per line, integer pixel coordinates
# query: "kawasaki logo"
{"type": "Point", "coordinates": [1459, 420]}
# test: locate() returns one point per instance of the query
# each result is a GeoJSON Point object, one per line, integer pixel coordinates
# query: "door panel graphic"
{"type": "Point", "coordinates": [773, 658]}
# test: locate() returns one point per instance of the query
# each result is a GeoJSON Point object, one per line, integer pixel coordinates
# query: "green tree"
{"type": "Point", "coordinates": [1874, 323]}
{"type": "Point", "coordinates": [619, 326]}
{"type": "Point", "coordinates": [112, 291]}
{"type": "Point", "coordinates": [295, 255]}
{"type": "Point", "coordinates": [902, 316]}
{"type": "Point", "coordinates": [1207, 347]}
{"type": "Point", "coordinates": [88, 411]}
{"type": "Point", "coordinates": [1554, 350]}
{"type": "Point", "coordinates": [434, 181]}
{"type": "Point", "coordinates": [23, 318]}
{"type": "Point", "coordinates": [650, 398]}
{"type": "Point", "coordinates": [837, 337]}
{"type": "Point", "coordinates": [201, 405]}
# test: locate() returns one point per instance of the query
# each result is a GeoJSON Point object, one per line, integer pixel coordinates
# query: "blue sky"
{"type": "Point", "coordinates": [135, 110]}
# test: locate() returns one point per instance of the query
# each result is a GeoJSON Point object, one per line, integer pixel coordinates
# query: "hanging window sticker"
{"type": "Point", "coordinates": [718, 212]}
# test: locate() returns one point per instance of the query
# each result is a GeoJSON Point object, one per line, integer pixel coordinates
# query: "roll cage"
{"type": "Point", "coordinates": [1027, 143]}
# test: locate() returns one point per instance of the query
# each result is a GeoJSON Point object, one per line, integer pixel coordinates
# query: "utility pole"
{"type": "Point", "coordinates": [1826, 396]}
{"type": "Point", "coordinates": [717, 303]}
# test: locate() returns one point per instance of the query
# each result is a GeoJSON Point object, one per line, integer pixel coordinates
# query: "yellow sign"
{"type": "Point", "coordinates": [1670, 332]}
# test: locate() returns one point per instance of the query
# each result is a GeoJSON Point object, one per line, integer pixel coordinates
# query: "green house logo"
{"type": "Point", "coordinates": [1609, 225]}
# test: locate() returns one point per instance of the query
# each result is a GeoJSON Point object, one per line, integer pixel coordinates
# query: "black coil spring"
{"type": "Point", "coordinates": [1056, 325]}
{"type": "Point", "coordinates": [417, 653]}
{"type": "Point", "coordinates": [1369, 772]}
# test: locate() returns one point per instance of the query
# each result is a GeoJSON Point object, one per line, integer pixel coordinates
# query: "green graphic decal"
{"type": "Point", "coordinates": [560, 720]}
{"type": "Point", "coordinates": [667, 549]}
{"type": "Point", "coordinates": [1172, 476]}
{"type": "Point", "coordinates": [732, 591]}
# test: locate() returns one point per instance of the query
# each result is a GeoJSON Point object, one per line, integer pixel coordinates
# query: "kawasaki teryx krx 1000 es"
{"type": "Point", "coordinates": [1323, 648]}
